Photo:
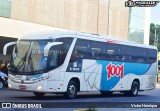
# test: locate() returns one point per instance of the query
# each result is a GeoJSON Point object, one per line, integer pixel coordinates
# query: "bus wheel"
{"type": "Point", "coordinates": [106, 93]}
{"type": "Point", "coordinates": [134, 89]}
{"type": "Point", "coordinates": [1, 84]}
{"type": "Point", "coordinates": [71, 90]}
{"type": "Point", "coordinates": [38, 94]}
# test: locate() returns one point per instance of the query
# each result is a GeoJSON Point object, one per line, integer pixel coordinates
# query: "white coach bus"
{"type": "Point", "coordinates": [71, 62]}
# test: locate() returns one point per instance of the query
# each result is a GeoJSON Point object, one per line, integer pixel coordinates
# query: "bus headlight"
{"type": "Point", "coordinates": [39, 87]}
{"type": "Point", "coordinates": [9, 85]}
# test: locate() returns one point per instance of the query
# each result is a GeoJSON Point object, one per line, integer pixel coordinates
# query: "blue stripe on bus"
{"type": "Point", "coordinates": [134, 68]}
{"type": "Point", "coordinates": [33, 76]}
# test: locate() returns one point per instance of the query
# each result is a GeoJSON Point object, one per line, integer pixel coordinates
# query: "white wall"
{"type": "Point", "coordinates": [15, 28]}
{"type": "Point", "coordinates": [147, 25]}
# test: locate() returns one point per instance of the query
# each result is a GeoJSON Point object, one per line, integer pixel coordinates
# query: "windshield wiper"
{"type": "Point", "coordinates": [22, 60]}
{"type": "Point", "coordinates": [30, 56]}
{"type": "Point", "coordinates": [30, 59]}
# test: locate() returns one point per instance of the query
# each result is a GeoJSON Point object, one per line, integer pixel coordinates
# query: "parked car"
{"type": "Point", "coordinates": [3, 80]}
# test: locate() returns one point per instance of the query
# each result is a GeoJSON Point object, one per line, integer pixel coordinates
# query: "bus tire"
{"type": "Point", "coordinates": [1, 84]}
{"type": "Point", "coordinates": [71, 90]}
{"type": "Point", "coordinates": [106, 93]}
{"type": "Point", "coordinates": [39, 94]}
{"type": "Point", "coordinates": [134, 89]}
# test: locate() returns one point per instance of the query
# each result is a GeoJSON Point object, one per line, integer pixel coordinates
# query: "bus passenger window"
{"type": "Point", "coordinates": [81, 50]}
{"type": "Point", "coordinates": [98, 50]}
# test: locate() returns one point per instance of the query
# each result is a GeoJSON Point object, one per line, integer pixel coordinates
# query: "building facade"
{"type": "Point", "coordinates": [108, 17]}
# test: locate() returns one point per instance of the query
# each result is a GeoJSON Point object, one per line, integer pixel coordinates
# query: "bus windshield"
{"type": "Point", "coordinates": [28, 56]}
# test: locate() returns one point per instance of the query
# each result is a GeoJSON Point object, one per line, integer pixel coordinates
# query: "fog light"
{"type": "Point", "coordinates": [9, 85]}
{"type": "Point", "coordinates": [39, 87]}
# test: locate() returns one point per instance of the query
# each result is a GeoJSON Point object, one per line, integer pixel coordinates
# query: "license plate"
{"type": "Point", "coordinates": [22, 87]}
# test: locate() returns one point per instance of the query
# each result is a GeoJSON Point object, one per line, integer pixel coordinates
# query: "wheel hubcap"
{"type": "Point", "coordinates": [1, 85]}
{"type": "Point", "coordinates": [72, 89]}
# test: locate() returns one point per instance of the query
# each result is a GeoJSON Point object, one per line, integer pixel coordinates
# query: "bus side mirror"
{"type": "Point", "coordinates": [49, 45]}
{"type": "Point", "coordinates": [6, 46]}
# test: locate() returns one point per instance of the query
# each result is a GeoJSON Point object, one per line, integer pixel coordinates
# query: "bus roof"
{"type": "Point", "coordinates": [84, 35]}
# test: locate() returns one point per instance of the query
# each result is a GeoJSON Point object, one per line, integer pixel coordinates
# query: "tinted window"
{"type": "Point", "coordinates": [113, 52]}
{"type": "Point", "coordinates": [151, 55]}
{"type": "Point", "coordinates": [98, 50]}
{"type": "Point", "coordinates": [85, 49]}
{"type": "Point", "coordinates": [81, 50]}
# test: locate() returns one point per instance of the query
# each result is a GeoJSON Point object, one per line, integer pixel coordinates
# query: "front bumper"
{"type": "Point", "coordinates": [35, 87]}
